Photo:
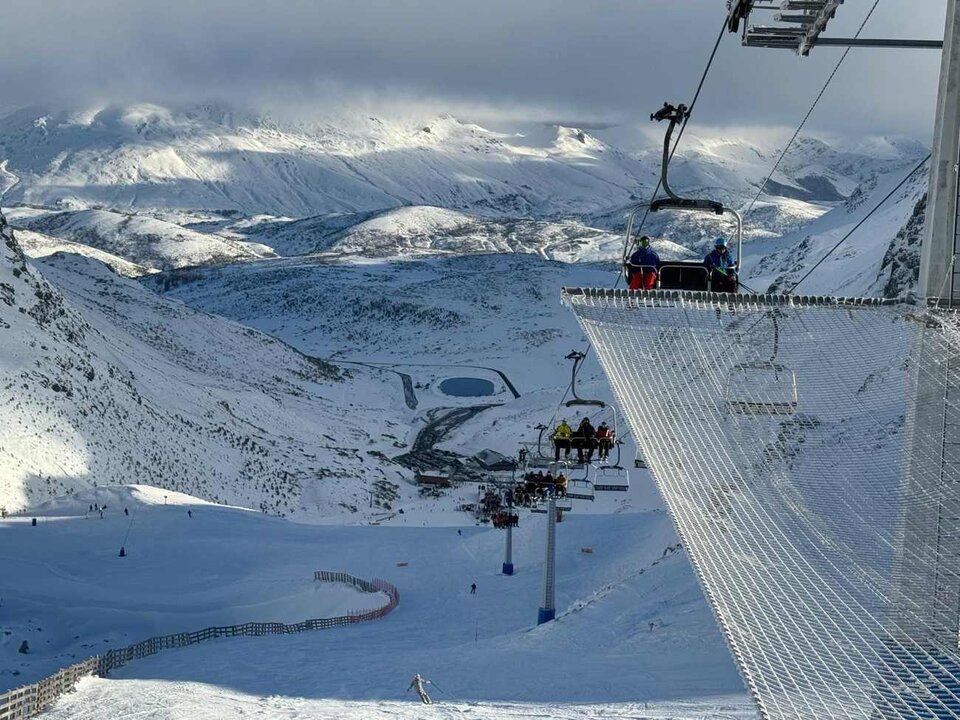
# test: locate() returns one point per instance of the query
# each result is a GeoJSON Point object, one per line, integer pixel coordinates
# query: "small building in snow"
{"type": "Point", "coordinates": [433, 478]}
{"type": "Point", "coordinates": [493, 461]}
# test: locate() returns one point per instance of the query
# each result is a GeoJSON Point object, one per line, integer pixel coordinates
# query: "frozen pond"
{"type": "Point", "coordinates": [467, 387]}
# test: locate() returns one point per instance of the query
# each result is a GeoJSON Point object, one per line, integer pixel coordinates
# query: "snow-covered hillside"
{"type": "Point", "coordinates": [466, 307]}
{"type": "Point", "coordinates": [145, 241]}
{"type": "Point", "coordinates": [105, 382]}
{"type": "Point", "coordinates": [416, 231]}
{"type": "Point", "coordinates": [162, 189]}
{"type": "Point", "coordinates": [35, 245]}
{"type": "Point", "coordinates": [634, 637]}
{"type": "Point", "coordinates": [882, 258]}
{"type": "Point", "coordinates": [497, 310]}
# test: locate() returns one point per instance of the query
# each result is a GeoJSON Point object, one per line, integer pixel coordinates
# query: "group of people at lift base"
{"type": "Point", "coordinates": [538, 486]}
{"type": "Point", "coordinates": [643, 270]}
{"type": "Point", "coordinates": [495, 503]}
{"type": "Point", "coordinates": [586, 440]}
{"type": "Point", "coordinates": [492, 509]}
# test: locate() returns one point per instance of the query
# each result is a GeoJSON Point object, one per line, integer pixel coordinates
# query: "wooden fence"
{"type": "Point", "coordinates": [30, 700]}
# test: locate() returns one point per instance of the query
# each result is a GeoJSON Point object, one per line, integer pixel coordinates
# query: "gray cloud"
{"type": "Point", "coordinates": [591, 60]}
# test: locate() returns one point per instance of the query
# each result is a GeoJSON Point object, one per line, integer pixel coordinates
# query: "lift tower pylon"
{"type": "Point", "coordinates": [941, 242]}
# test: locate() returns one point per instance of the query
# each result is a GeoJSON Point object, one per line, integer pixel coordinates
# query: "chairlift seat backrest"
{"type": "Point", "coordinates": [687, 204]}
{"type": "Point", "coordinates": [684, 276]}
{"type": "Point", "coordinates": [590, 403]}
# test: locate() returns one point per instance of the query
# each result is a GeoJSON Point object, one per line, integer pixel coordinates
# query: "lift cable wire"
{"type": "Point", "coordinates": [813, 107]}
{"type": "Point", "coordinates": [859, 224]}
{"type": "Point", "coordinates": [693, 104]}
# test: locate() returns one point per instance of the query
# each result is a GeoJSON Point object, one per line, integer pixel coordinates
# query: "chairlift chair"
{"type": "Point", "coordinates": [580, 490]}
{"type": "Point", "coordinates": [538, 464]}
{"type": "Point", "coordinates": [763, 387]}
{"type": "Point", "coordinates": [679, 275]}
{"type": "Point", "coordinates": [563, 504]}
{"type": "Point", "coordinates": [611, 478]}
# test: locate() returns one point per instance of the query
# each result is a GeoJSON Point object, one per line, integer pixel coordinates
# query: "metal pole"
{"type": "Point", "coordinates": [880, 43]}
{"type": "Point", "coordinates": [940, 242]}
{"type": "Point", "coordinates": [508, 550]}
{"type": "Point", "coordinates": [548, 610]}
{"type": "Point", "coordinates": [926, 562]}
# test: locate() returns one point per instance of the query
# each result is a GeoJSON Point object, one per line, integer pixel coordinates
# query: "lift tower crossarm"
{"type": "Point", "coordinates": [804, 22]}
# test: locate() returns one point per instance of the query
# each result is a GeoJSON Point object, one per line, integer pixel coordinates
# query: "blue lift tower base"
{"type": "Point", "coordinates": [548, 608]}
{"type": "Point", "coordinates": [544, 615]}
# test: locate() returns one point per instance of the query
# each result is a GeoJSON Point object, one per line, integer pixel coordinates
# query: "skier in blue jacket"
{"type": "Point", "coordinates": [644, 266]}
{"type": "Point", "coordinates": [722, 267]}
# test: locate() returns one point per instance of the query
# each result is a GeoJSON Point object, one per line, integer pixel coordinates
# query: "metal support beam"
{"type": "Point", "coordinates": [926, 561]}
{"type": "Point", "coordinates": [940, 242]}
{"type": "Point", "coordinates": [789, 38]}
{"type": "Point", "coordinates": [879, 43]}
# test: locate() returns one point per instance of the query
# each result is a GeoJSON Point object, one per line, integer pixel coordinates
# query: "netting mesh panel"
{"type": "Point", "coordinates": [808, 451]}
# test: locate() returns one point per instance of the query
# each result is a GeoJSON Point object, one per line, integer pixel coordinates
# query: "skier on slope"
{"type": "Point", "coordinates": [417, 683]}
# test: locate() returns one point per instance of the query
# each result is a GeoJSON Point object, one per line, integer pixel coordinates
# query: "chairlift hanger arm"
{"type": "Point", "coordinates": [676, 115]}
{"type": "Point", "coordinates": [578, 358]}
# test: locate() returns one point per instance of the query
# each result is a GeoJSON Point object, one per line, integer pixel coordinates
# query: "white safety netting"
{"type": "Point", "coordinates": [808, 450]}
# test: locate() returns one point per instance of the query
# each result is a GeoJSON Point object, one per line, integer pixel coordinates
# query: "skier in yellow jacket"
{"type": "Point", "coordinates": [561, 440]}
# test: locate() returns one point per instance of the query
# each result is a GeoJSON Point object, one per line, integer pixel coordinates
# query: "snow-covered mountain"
{"type": "Point", "coordinates": [104, 382]}
{"type": "Point", "coordinates": [882, 258]}
{"type": "Point", "coordinates": [150, 158]}
{"type": "Point", "coordinates": [427, 231]}
{"type": "Point", "coordinates": [367, 272]}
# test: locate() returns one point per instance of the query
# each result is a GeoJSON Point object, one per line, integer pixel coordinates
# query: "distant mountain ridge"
{"type": "Point", "coordinates": [146, 158]}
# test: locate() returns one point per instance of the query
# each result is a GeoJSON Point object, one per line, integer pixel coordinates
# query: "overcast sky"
{"type": "Point", "coordinates": [601, 61]}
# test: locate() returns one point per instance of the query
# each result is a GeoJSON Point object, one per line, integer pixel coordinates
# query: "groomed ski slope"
{"type": "Point", "coordinates": [599, 659]}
